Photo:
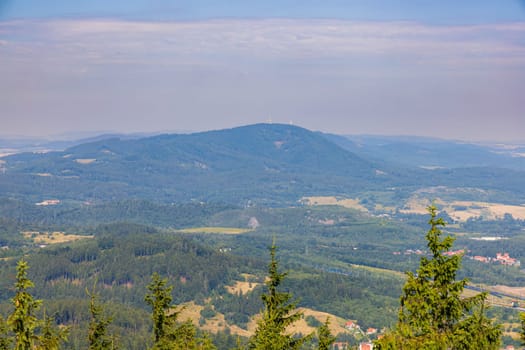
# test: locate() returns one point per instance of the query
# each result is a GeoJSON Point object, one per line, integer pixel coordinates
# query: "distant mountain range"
{"type": "Point", "coordinates": [269, 164]}
{"type": "Point", "coordinates": [433, 153]}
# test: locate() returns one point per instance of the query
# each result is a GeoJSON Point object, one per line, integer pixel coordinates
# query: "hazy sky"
{"type": "Point", "coordinates": [450, 69]}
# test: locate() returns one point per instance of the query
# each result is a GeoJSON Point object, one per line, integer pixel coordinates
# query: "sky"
{"type": "Point", "coordinates": [448, 69]}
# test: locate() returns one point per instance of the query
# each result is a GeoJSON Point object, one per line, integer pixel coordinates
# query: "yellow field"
{"type": "Point", "coordinates": [502, 301]}
{"type": "Point", "coordinates": [191, 311]}
{"type": "Point", "coordinates": [336, 323]}
{"type": "Point", "coordinates": [219, 230]}
{"type": "Point", "coordinates": [347, 202]}
{"type": "Point", "coordinates": [243, 286]}
{"type": "Point", "coordinates": [516, 291]}
{"type": "Point", "coordinates": [52, 237]}
{"type": "Point", "coordinates": [464, 210]}
{"type": "Point", "coordinates": [416, 205]}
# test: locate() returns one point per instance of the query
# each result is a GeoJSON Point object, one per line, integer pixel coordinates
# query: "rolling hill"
{"type": "Point", "coordinates": [262, 164]}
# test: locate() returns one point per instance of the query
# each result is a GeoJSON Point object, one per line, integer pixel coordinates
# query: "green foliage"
{"type": "Point", "coordinates": [98, 336]}
{"type": "Point", "coordinates": [167, 333]}
{"type": "Point", "coordinates": [23, 328]}
{"type": "Point", "coordinates": [433, 314]}
{"type": "Point", "coordinates": [51, 337]}
{"type": "Point", "coordinates": [326, 339]}
{"type": "Point", "coordinates": [208, 312]}
{"type": "Point", "coordinates": [522, 331]}
{"type": "Point", "coordinates": [159, 299]}
{"type": "Point", "coordinates": [205, 343]}
{"type": "Point", "coordinates": [5, 340]}
{"type": "Point", "coordinates": [318, 256]}
{"type": "Point", "coordinates": [23, 321]}
{"type": "Point", "coordinates": [312, 321]}
{"type": "Point", "coordinates": [278, 314]}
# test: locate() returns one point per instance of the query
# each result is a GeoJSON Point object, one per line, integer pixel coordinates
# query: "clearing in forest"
{"type": "Point", "coordinates": [192, 311]}
{"type": "Point", "coordinates": [243, 287]}
{"type": "Point", "coordinates": [330, 200]}
{"type": "Point", "coordinates": [52, 237]}
{"type": "Point", "coordinates": [218, 230]}
{"type": "Point", "coordinates": [463, 210]}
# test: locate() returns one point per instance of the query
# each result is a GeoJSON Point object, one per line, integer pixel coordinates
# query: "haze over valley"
{"type": "Point", "coordinates": [272, 175]}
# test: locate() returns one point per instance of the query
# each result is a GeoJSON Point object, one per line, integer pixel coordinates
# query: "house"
{"type": "Point", "coordinates": [505, 259]}
{"type": "Point", "coordinates": [371, 331]}
{"type": "Point", "coordinates": [480, 258]}
{"type": "Point", "coordinates": [366, 346]}
{"type": "Point", "coordinates": [49, 202]}
{"type": "Point", "coordinates": [454, 252]}
{"type": "Point", "coordinates": [351, 325]}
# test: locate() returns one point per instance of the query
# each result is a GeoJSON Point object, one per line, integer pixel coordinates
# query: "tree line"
{"type": "Point", "coordinates": [433, 314]}
{"type": "Point", "coordinates": [25, 330]}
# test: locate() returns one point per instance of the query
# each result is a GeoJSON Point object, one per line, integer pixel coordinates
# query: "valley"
{"type": "Point", "coordinates": [202, 210]}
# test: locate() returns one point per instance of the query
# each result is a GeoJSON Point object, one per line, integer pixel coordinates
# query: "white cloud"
{"type": "Point", "coordinates": [274, 39]}
{"type": "Point", "coordinates": [386, 74]}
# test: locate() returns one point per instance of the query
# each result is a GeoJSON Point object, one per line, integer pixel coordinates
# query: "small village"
{"type": "Point", "coordinates": [500, 258]}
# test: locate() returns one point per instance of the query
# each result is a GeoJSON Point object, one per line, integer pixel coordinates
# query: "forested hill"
{"type": "Point", "coordinates": [263, 162]}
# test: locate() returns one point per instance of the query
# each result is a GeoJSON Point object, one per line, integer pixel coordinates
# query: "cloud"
{"type": "Point", "coordinates": [112, 41]}
{"type": "Point", "coordinates": [397, 76]}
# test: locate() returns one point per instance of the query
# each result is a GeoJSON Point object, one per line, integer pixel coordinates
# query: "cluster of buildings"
{"type": "Point", "coordinates": [49, 202]}
{"type": "Point", "coordinates": [346, 346]}
{"type": "Point", "coordinates": [353, 326]}
{"type": "Point", "coordinates": [455, 252]}
{"type": "Point", "coordinates": [410, 252]}
{"type": "Point", "coordinates": [503, 259]}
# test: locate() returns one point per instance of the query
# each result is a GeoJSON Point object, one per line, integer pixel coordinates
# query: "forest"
{"type": "Point", "coordinates": [99, 224]}
{"type": "Point", "coordinates": [333, 270]}
{"type": "Point", "coordinates": [433, 313]}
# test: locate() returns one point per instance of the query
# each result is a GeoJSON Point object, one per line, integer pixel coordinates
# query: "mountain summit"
{"type": "Point", "coordinates": [262, 162]}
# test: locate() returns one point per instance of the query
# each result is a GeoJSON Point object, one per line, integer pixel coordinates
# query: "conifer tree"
{"type": "Point", "coordinates": [326, 339]}
{"type": "Point", "coordinates": [51, 337]}
{"type": "Point", "coordinates": [5, 341]}
{"type": "Point", "coordinates": [98, 336]}
{"type": "Point", "coordinates": [167, 334]}
{"type": "Point", "coordinates": [205, 343]}
{"type": "Point", "coordinates": [159, 299]}
{"type": "Point", "coordinates": [433, 314]}
{"type": "Point", "coordinates": [23, 321]}
{"type": "Point", "coordinates": [279, 313]}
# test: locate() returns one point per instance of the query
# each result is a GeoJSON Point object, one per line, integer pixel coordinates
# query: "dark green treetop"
{"type": "Point", "coordinates": [168, 334]}
{"type": "Point", "coordinates": [326, 339]}
{"type": "Point", "coordinates": [160, 300]}
{"type": "Point", "coordinates": [23, 321]}
{"type": "Point", "coordinates": [278, 314]}
{"type": "Point", "coordinates": [50, 336]}
{"type": "Point", "coordinates": [98, 335]}
{"type": "Point", "coordinates": [5, 341]}
{"type": "Point", "coordinates": [433, 313]}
